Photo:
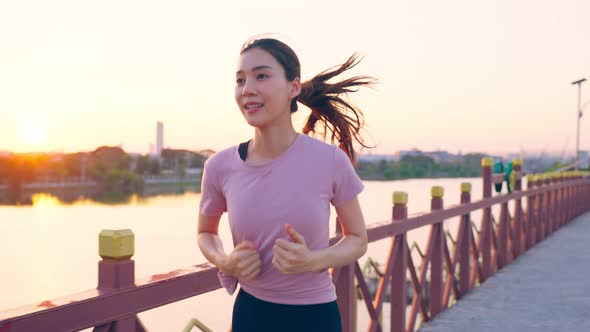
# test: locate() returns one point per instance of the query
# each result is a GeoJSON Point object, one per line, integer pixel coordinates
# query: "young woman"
{"type": "Point", "coordinates": [277, 189]}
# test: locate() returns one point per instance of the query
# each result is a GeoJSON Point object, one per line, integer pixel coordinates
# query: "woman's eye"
{"type": "Point", "coordinates": [261, 76]}
{"type": "Point", "coordinates": [239, 81]}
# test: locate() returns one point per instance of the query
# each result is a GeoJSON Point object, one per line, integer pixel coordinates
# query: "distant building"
{"type": "Point", "coordinates": [584, 160]}
{"type": "Point", "coordinates": [442, 156]}
{"type": "Point", "coordinates": [159, 139]}
{"type": "Point", "coordinates": [410, 153]}
{"type": "Point", "coordinates": [194, 171]}
{"type": "Point", "coordinates": [207, 153]}
{"type": "Point", "coordinates": [374, 158]}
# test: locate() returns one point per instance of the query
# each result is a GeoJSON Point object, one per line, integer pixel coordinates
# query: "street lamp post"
{"type": "Point", "coordinates": [579, 113]}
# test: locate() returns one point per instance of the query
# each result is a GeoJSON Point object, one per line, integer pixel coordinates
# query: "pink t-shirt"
{"type": "Point", "coordinates": [295, 188]}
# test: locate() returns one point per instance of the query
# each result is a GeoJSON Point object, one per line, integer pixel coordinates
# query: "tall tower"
{"type": "Point", "coordinates": [160, 139]}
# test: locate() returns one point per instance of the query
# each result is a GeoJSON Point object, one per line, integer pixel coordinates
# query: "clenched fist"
{"type": "Point", "coordinates": [243, 262]}
{"type": "Point", "coordinates": [291, 257]}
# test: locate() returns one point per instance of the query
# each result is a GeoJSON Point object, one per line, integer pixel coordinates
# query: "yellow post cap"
{"type": "Point", "coordinates": [517, 161]}
{"type": "Point", "coordinates": [400, 197]}
{"type": "Point", "coordinates": [116, 244]}
{"type": "Point", "coordinates": [465, 187]}
{"type": "Point", "coordinates": [487, 162]}
{"type": "Point", "coordinates": [437, 191]}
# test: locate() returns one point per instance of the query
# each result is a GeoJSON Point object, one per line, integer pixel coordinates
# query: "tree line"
{"type": "Point", "coordinates": [111, 168]}
{"type": "Point", "coordinates": [420, 166]}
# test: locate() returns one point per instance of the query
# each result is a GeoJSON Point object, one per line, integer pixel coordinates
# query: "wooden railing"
{"type": "Point", "coordinates": [452, 271]}
{"type": "Point", "coordinates": [445, 274]}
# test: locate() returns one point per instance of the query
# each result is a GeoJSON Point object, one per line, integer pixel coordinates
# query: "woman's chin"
{"type": "Point", "coordinates": [256, 123]}
{"type": "Point", "coordinates": [254, 120]}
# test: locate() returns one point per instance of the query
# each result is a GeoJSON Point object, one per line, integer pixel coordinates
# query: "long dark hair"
{"type": "Point", "coordinates": [343, 120]}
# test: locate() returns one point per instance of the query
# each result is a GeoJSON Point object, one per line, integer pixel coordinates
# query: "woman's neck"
{"type": "Point", "coordinates": [270, 142]}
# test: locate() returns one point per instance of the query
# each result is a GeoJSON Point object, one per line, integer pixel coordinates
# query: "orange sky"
{"type": "Point", "coordinates": [455, 75]}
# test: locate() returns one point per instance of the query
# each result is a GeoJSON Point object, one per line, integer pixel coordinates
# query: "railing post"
{"type": "Point", "coordinates": [563, 180]}
{"type": "Point", "coordinates": [581, 198]}
{"type": "Point", "coordinates": [554, 204]}
{"type": "Point", "coordinates": [578, 203]}
{"type": "Point", "coordinates": [559, 201]}
{"type": "Point", "coordinates": [116, 271]}
{"type": "Point", "coordinates": [465, 240]}
{"type": "Point", "coordinates": [398, 294]}
{"type": "Point", "coordinates": [540, 222]}
{"type": "Point", "coordinates": [530, 213]}
{"type": "Point", "coordinates": [547, 211]}
{"type": "Point", "coordinates": [502, 236]}
{"type": "Point", "coordinates": [563, 212]}
{"type": "Point", "coordinates": [518, 231]}
{"type": "Point", "coordinates": [485, 235]}
{"type": "Point", "coordinates": [578, 188]}
{"type": "Point", "coordinates": [568, 206]}
{"type": "Point", "coordinates": [573, 197]}
{"type": "Point", "coordinates": [584, 196]}
{"type": "Point", "coordinates": [436, 265]}
{"type": "Point", "coordinates": [345, 294]}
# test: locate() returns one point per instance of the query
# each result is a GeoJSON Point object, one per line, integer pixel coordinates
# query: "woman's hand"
{"type": "Point", "coordinates": [291, 257]}
{"type": "Point", "coordinates": [243, 262]}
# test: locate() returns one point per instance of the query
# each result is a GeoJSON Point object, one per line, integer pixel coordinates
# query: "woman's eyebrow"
{"type": "Point", "coordinates": [254, 69]}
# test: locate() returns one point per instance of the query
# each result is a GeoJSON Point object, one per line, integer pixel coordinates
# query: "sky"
{"type": "Point", "coordinates": [462, 76]}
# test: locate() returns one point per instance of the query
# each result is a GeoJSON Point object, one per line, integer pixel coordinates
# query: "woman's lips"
{"type": "Point", "coordinates": [253, 108]}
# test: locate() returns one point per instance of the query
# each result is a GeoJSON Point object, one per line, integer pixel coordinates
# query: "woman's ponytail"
{"type": "Point", "coordinates": [343, 120]}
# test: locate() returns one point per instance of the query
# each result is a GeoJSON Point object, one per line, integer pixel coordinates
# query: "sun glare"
{"type": "Point", "coordinates": [33, 136]}
{"type": "Point", "coordinates": [44, 200]}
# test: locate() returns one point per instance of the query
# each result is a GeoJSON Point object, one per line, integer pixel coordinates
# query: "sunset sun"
{"type": "Point", "coordinates": [33, 136]}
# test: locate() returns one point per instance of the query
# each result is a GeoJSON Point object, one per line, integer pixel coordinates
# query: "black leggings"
{"type": "Point", "coordinates": [254, 315]}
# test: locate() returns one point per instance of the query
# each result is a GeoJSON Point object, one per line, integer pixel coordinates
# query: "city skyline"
{"type": "Point", "coordinates": [155, 149]}
{"type": "Point", "coordinates": [453, 75]}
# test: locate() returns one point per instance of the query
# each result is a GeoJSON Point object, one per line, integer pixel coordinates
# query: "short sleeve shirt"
{"type": "Point", "coordinates": [295, 188]}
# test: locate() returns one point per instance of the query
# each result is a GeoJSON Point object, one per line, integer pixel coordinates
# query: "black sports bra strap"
{"type": "Point", "coordinates": [243, 150]}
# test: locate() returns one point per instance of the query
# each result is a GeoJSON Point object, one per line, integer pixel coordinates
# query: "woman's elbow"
{"type": "Point", "coordinates": [363, 246]}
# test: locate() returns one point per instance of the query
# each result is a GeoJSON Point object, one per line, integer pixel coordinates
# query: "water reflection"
{"type": "Point", "coordinates": [84, 196]}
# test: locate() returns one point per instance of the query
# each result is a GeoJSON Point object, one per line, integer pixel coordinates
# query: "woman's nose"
{"type": "Point", "coordinates": [248, 88]}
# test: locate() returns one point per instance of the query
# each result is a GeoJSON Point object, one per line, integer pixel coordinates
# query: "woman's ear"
{"type": "Point", "coordinates": [295, 88]}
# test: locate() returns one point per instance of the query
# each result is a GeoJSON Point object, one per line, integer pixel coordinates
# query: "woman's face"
{"type": "Point", "coordinates": [263, 92]}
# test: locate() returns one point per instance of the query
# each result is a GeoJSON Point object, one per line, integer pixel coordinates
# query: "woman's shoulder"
{"type": "Point", "coordinates": [221, 159]}
{"type": "Point", "coordinates": [321, 151]}
{"type": "Point", "coordinates": [316, 145]}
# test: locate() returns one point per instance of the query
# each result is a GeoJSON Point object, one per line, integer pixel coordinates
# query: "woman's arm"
{"type": "Point", "coordinates": [243, 262]}
{"type": "Point", "coordinates": [294, 257]}
{"type": "Point", "coordinates": [353, 244]}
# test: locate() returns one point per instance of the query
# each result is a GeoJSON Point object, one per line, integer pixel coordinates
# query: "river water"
{"type": "Point", "coordinates": [50, 249]}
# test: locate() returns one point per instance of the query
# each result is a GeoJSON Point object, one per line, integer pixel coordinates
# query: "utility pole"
{"type": "Point", "coordinates": [579, 113]}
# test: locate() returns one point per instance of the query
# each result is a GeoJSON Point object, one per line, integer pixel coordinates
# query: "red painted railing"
{"type": "Point", "coordinates": [445, 274]}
